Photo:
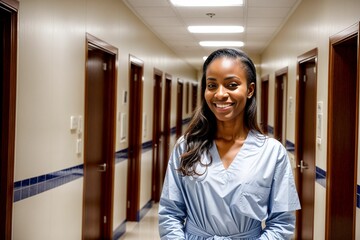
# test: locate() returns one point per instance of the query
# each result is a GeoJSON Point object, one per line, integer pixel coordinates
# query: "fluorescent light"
{"type": "Point", "coordinates": [221, 43]}
{"type": "Point", "coordinates": [216, 29]}
{"type": "Point", "coordinates": [205, 3]}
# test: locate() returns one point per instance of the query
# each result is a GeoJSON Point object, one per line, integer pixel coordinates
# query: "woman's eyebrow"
{"type": "Point", "coordinates": [231, 77]}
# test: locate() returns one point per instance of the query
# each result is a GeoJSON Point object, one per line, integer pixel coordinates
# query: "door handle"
{"type": "Point", "coordinates": [302, 166]}
{"type": "Point", "coordinates": [102, 167]}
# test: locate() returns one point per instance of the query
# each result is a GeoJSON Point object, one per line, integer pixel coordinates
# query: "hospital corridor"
{"type": "Point", "coordinates": [95, 95]}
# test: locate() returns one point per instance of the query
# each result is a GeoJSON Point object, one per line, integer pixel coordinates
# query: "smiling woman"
{"type": "Point", "coordinates": [224, 177]}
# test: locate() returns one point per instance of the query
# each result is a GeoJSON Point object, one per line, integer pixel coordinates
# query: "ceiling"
{"type": "Point", "coordinates": [262, 19]}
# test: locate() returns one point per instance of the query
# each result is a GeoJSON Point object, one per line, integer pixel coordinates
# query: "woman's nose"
{"type": "Point", "coordinates": [221, 92]}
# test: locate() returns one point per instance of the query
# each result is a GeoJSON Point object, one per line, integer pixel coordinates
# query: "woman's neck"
{"type": "Point", "coordinates": [229, 131]}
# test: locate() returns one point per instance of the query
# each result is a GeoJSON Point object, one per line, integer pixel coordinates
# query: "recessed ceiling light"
{"type": "Point", "coordinates": [205, 3]}
{"type": "Point", "coordinates": [216, 29]}
{"type": "Point", "coordinates": [221, 43]}
{"type": "Point", "coordinates": [204, 58]}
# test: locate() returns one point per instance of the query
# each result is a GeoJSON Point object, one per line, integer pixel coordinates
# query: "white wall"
{"type": "Point", "coordinates": [51, 72]}
{"type": "Point", "coordinates": [309, 27]}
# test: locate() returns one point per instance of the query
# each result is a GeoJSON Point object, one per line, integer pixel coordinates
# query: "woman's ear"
{"type": "Point", "coordinates": [251, 90]}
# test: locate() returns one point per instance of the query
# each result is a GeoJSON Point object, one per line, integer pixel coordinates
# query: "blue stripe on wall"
{"type": "Point", "coordinates": [30, 187]}
{"type": "Point", "coordinates": [270, 129]}
{"type": "Point", "coordinates": [321, 177]}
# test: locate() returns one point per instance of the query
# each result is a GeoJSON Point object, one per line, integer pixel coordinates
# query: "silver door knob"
{"type": "Point", "coordinates": [102, 167]}
{"type": "Point", "coordinates": [302, 166]}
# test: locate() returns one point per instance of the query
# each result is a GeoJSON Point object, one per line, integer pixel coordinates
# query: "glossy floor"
{"type": "Point", "coordinates": [146, 229]}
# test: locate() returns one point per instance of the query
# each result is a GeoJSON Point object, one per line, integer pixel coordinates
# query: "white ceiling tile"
{"type": "Point", "coordinates": [156, 12]}
{"type": "Point", "coordinates": [214, 22]}
{"type": "Point", "coordinates": [264, 22]}
{"type": "Point", "coordinates": [271, 3]}
{"type": "Point", "coordinates": [219, 12]}
{"type": "Point", "coordinates": [163, 21]}
{"type": "Point", "coordinates": [268, 12]}
{"type": "Point", "coordinates": [147, 3]}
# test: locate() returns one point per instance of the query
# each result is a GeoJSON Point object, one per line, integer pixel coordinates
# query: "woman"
{"type": "Point", "coordinates": [224, 178]}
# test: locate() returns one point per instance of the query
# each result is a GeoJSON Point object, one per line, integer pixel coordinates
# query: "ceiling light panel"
{"type": "Point", "coordinates": [207, 3]}
{"type": "Point", "coordinates": [221, 43]}
{"type": "Point", "coordinates": [216, 29]}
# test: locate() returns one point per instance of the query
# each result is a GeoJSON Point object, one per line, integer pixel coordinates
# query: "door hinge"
{"type": "Point", "coordinates": [104, 66]}
{"type": "Point", "coordinates": [304, 78]}
{"type": "Point", "coordinates": [128, 204]}
{"type": "Point", "coordinates": [105, 220]}
{"type": "Point", "coordinates": [135, 77]}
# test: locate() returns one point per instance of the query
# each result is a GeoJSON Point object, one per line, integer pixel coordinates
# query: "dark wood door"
{"type": "Point", "coordinates": [99, 143]}
{"type": "Point", "coordinates": [264, 104]}
{"type": "Point", "coordinates": [179, 108]}
{"type": "Point", "coordinates": [279, 103]}
{"type": "Point", "coordinates": [135, 139]}
{"type": "Point", "coordinates": [156, 138]}
{"type": "Point", "coordinates": [167, 118]}
{"type": "Point", "coordinates": [306, 143]}
{"type": "Point", "coordinates": [194, 97]}
{"type": "Point", "coordinates": [8, 63]}
{"type": "Point", "coordinates": [341, 184]}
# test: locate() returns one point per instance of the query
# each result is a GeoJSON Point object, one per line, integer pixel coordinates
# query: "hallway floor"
{"type": "Point", "coordinates": [146, 229]}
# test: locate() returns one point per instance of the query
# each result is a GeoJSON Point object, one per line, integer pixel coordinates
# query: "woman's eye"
{"type": "Point", "coordinates": [232, 85]}
{"type": "Point", "coordinates": [211, 85]}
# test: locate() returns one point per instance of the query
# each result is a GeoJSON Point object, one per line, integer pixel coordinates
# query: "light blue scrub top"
{"type": "Point", "coordinates": [231, 203]}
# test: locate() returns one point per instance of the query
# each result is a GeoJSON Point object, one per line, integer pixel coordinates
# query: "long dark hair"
{"type": "Point", "coordinates": [202, 128]}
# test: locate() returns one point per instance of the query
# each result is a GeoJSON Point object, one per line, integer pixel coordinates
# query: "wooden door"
{"type": "Point", "coordinates": [187, 98]}
{"type": "Point", "coordinates": [167, 118]}
{"type": "Point", "coordinates": [8, 65]}
{"type": "Point", "coordinates": [156, 137]}
{"type": "Point", "coordinates": [280, 105]}
{"type": "Point", "coordinates": [194, 97]}
{"type": "Point", "coordinates": [341, 184]}
{"type": "Point", "coordinates": [179, 108]}
{"type": "Point", "coordinates": [135, 139]}
{"type": "Point", "coordinates": [305, 135]}
{"type": "Point", "coordinates": [264, 103]}
{"type": "Point", "coordinates": [99, 140]}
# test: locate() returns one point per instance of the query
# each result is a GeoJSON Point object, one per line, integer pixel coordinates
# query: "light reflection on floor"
{"type": "Point", "coordinates": [146, 229]}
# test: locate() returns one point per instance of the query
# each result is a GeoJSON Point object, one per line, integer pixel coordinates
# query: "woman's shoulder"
{"type": "Point", "coordinates": [263, 141]}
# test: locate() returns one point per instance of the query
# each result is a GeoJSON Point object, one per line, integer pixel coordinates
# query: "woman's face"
{"type": "Point", "coordinates": [226, 90]}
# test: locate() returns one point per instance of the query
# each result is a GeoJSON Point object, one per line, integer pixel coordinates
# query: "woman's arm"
{"type": "Point", "coordinates": [279, 225]}
{"type": "Point", "coordinates": [172, 209]}
{"type": "Point", "coordinates": [283, 201]}
{"type": "Point", "coordinates": [171, 219]}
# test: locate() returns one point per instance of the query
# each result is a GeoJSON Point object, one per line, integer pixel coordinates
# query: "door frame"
{"type": "Point", "coordinates": [135, 139]}
{"type": "Point", "coordinates": [264, 114]}
{"type": "Point", "coordinates": [280, 114]}
{"type": "Point", "coordinates": [337, 180]}
{"type": "Point", "coordinates": [194, 98]}
{"type": "Point", "coordinates": [179, 107]}
{"type": "Point", "coordinates": [8, 115]}
{"type": "Point", "coordinates": [94, 42]}
{"type": "Point", "coordinates": [167, 122]}
{"type": "Point", "coordinates": [299, 134]}
{"type": "Point", "coordinates": [156, 137]}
